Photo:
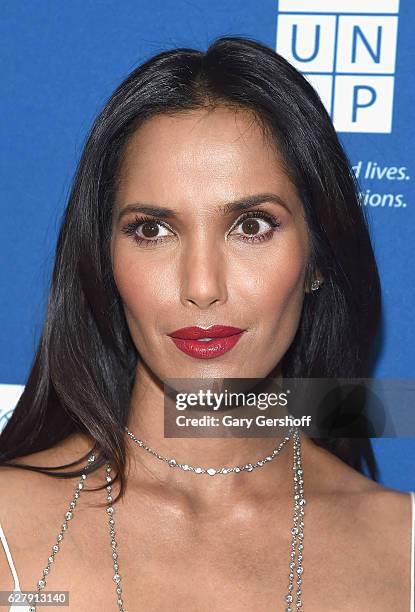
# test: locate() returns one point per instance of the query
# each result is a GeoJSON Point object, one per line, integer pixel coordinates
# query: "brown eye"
{"type": "Point", "coordinates": [147, 232]}
{"type": "Point", "coordinates": [150, 229]}
{"type": "Point", "coordinates": [250, 226]}
{"type": "Point", "coordinates": [256, 226]}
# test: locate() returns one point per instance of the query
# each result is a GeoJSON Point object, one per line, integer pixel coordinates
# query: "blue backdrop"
{"type": "Point", "coordinates": [61, 61]}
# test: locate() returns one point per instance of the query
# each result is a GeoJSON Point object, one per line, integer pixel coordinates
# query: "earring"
{"type": "Point", "coordinates": [316, 284]}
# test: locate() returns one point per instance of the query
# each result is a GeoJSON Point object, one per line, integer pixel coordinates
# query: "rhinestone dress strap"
{"type": "Point", "coordinates": [68, 517]}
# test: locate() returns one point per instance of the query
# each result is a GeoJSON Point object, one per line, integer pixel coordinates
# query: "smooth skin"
{"type": "Point", "coordinates": [189, 542]}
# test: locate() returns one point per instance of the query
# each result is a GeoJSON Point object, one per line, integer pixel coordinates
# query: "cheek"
{"type": "Point", "coordinates": [273, 286]}
{"type": "Point", "coordinates": [142, 288]}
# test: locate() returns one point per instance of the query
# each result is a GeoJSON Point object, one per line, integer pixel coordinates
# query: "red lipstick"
{"type": "Point", "coordinates": [221, 339]}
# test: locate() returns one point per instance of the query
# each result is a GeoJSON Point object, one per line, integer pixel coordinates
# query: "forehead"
{"type": "Point", "coordinates": [203, 156]}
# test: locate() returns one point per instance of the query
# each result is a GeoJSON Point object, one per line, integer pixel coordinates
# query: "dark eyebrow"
{"type": "Point", "coordinates": [225, 209]}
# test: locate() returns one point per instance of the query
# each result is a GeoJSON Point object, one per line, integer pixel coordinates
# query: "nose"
{"type": "Point", "coordinates": [203, 278]}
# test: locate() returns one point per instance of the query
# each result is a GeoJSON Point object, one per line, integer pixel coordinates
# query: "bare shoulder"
{"type": "Point", "coordinates": [378, 514]}
{"type": "Point", "coordinates": [32, 506]}
{"type": "Point", "coordinates": [23, 488]}
{"type": "Point", "coordinates": [331, 475]}
{"type": "Point", "coordinates": [369, 527]}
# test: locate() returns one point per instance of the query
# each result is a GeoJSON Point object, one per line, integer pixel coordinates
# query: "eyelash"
{"type": "Point", "coordinates": [132, 227]}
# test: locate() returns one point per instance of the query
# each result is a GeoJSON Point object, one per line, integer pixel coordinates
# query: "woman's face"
{"type": "Point", "coordinates": [202, 262]}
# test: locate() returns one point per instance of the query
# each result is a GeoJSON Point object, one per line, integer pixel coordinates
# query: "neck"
{"type": "Point", "coordinates": [146, 422]}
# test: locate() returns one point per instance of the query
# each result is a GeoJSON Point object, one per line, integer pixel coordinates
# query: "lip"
{"type": "Point", "coordinates": [224, 338]}
{"type": "Point", "coordinates": [215, 331]}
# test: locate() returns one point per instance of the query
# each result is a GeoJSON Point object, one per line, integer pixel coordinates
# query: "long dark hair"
{"type": "Point", "coordinates": [83, 370]}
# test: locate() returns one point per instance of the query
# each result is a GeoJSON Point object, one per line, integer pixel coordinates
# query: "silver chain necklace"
{"type": "Point", "coordinates": [297, 531]}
